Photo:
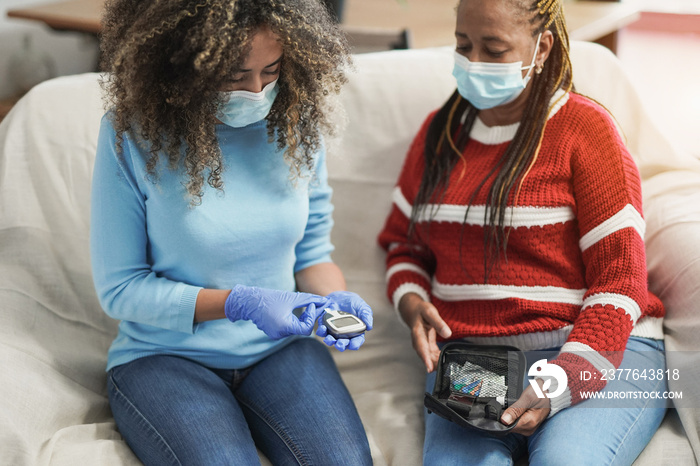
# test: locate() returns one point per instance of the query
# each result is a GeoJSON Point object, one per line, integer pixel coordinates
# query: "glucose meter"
{"type": "Point", "coordinates": [342, 324]}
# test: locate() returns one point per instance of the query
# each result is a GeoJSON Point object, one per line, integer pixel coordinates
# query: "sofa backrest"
{"type": "Point", "coordinates": [386, 101]}
{"type": "Point", "coordinates": [47, 146]}
{"type": "Point", "coordinates": [53, 335]}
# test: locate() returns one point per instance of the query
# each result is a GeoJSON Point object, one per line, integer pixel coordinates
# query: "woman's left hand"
{"type": "Point", "coordinates": [529, 410]}
{"type": "Point", "coordinates": [351, 303]}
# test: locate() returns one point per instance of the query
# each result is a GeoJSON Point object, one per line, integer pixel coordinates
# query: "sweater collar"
{"type": "Point", "coordinates": [492, 135]}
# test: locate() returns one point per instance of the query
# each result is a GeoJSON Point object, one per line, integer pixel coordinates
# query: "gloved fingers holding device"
{"type": "Point", "coordinates": [341, 329]}
{"type": "Point", "coordinates": [346, 319]}
{"type": "Point", "coordinates": [272, 310]}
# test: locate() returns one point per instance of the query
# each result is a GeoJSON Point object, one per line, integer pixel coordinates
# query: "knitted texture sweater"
{"type": "Point", "coordinates": [152, 251]}
{"type": "Point", "coordinates": [575, 274]}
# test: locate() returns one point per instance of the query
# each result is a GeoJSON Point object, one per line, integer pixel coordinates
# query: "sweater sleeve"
{"type": "Point", "coordinates": [316, 247]}
{"type": "Point", "coordinates": [607, 192]}
{"type": "Point", "coordinates": [409, 261]}
{"type": "Point", "coordinates": [127, 287]}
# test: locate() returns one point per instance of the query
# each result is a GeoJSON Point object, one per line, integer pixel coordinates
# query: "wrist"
{"type": "Point", "coordinates": [235, 305]}
{"type": "Point", "coordinates": [408, 306]}
{"type": "Point", "coordinates": [408, 288]}
{"type": "Point", "coordinates": [339, 295]}
{"type": "Point", "coordinates": [231, 308]}
{"type": "Point", "coordinates": [210, 304]}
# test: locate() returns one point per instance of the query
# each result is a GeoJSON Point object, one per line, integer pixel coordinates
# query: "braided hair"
{"type": "Point", "coordinates": [167, 59]}
{"type": "Point", "coordinates": [448, 136]}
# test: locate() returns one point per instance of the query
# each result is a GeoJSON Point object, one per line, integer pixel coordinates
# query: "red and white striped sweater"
{"type": "Point", "coordinates": [575, 274]}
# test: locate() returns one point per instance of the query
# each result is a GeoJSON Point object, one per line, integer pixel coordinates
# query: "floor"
{"type": "Point", "coordinates": [661, 52]}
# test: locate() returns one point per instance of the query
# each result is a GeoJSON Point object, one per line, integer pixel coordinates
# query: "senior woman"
{"type": "Point", "coordinates": [517, 219]}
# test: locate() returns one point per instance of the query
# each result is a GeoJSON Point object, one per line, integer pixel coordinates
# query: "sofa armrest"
{"type": "Point", "coordinates": [673, 257]}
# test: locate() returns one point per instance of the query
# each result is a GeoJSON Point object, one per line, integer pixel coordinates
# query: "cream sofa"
{"type": "Point", "coordinates": [54, 337]}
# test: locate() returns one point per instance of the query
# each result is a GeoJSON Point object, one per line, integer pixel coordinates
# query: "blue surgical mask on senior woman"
{"type": "Point", "coordinates": [243, 108]}
{"type": "Point", "coordinates": [488, 85]}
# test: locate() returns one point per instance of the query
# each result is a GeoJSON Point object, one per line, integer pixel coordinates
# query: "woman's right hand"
{"type": "Point", "coordinates": [272, 311]}
{"type": "Point", "coordinates": [425, 323]}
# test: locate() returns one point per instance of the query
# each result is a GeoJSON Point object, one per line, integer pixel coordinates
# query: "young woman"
{"type": "Point", "coordinates": [211, 218]}
{"type": "Point", "coordinates": [517, 219]}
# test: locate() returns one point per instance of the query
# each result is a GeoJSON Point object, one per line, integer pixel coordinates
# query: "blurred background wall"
{"type": "Point", "coordinates": [661, 50]}
{"type": "Point", "coordinates": [69, 52]}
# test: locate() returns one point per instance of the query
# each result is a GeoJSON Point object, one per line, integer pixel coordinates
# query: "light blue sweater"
{"type": "Point", "coordinates": [152, 252]}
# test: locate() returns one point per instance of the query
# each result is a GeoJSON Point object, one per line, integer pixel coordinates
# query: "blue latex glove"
{"type": "Point", "coordinates": [351, 303]}
{"type": "Point", "coordinates": [271, 310]}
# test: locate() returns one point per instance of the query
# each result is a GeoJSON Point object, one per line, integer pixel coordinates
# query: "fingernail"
{"type": "Point", "coordinates": [507, 419]}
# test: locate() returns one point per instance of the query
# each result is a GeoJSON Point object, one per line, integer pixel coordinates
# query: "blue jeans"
{"type": "Point", "coordinates": [292, 405]}
{"type": "Point", "coordinates": [578, 435]}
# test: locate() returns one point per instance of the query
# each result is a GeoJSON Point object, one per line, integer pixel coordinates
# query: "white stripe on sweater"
{"type": "Point", "coordinates": [500, 134]}
{"type": "Point", "coordinates": [559, 403]}
{"type": "Point", "coordinates": [515, 216]}
{"type": "Point", "coordinates": [627, 217]}
{"type": "Point", "coordinates": [589, 354]}
{"type": "Point", "coordinates": [406, 266]}
{"type": "Point", "coordinates": [649, 327]}
{"type": "Point", "coordinates": [527, 341]}
{"type": "Point", "coordinates": [547, 294]}
{"type": "Point", "coordinates": [405, 289]}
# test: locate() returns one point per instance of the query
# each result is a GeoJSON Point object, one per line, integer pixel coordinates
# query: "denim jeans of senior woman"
{"type": "Point", "coordinates": [292, 405]}
{"type": "Point", "coordinates": [594, 432]}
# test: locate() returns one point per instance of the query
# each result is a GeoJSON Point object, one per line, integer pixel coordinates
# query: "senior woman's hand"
{"type": "Point", "coordinates": [529, 410]}
{"type": "Point", "coordinates": [425, 323]}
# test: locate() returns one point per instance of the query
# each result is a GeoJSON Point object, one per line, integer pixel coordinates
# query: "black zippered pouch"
{"type": "Point", "coordinates": [475, 384]}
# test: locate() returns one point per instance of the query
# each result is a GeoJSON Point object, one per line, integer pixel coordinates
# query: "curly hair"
{"type": "Point", "coordinates": [167, 59]}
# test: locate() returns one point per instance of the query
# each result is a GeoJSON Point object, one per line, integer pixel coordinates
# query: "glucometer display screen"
{"type": "Point", "coordinates": [344, 321]}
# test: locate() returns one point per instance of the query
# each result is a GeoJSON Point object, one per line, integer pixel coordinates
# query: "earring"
{"type": "Point", "coordinates": [538, 70]}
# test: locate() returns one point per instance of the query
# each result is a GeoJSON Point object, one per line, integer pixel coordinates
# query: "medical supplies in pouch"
{"type": "Point", "coordinates": [474, 384]}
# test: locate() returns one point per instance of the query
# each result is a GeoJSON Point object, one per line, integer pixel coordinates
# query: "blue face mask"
{"type": "Point", "coordinates": [243, 108]}
{"type": "Point", "coordinates": [488, 85]}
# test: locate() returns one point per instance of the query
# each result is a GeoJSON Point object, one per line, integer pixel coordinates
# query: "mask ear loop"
{"type": "Point", "coordinates": [534, 57]}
